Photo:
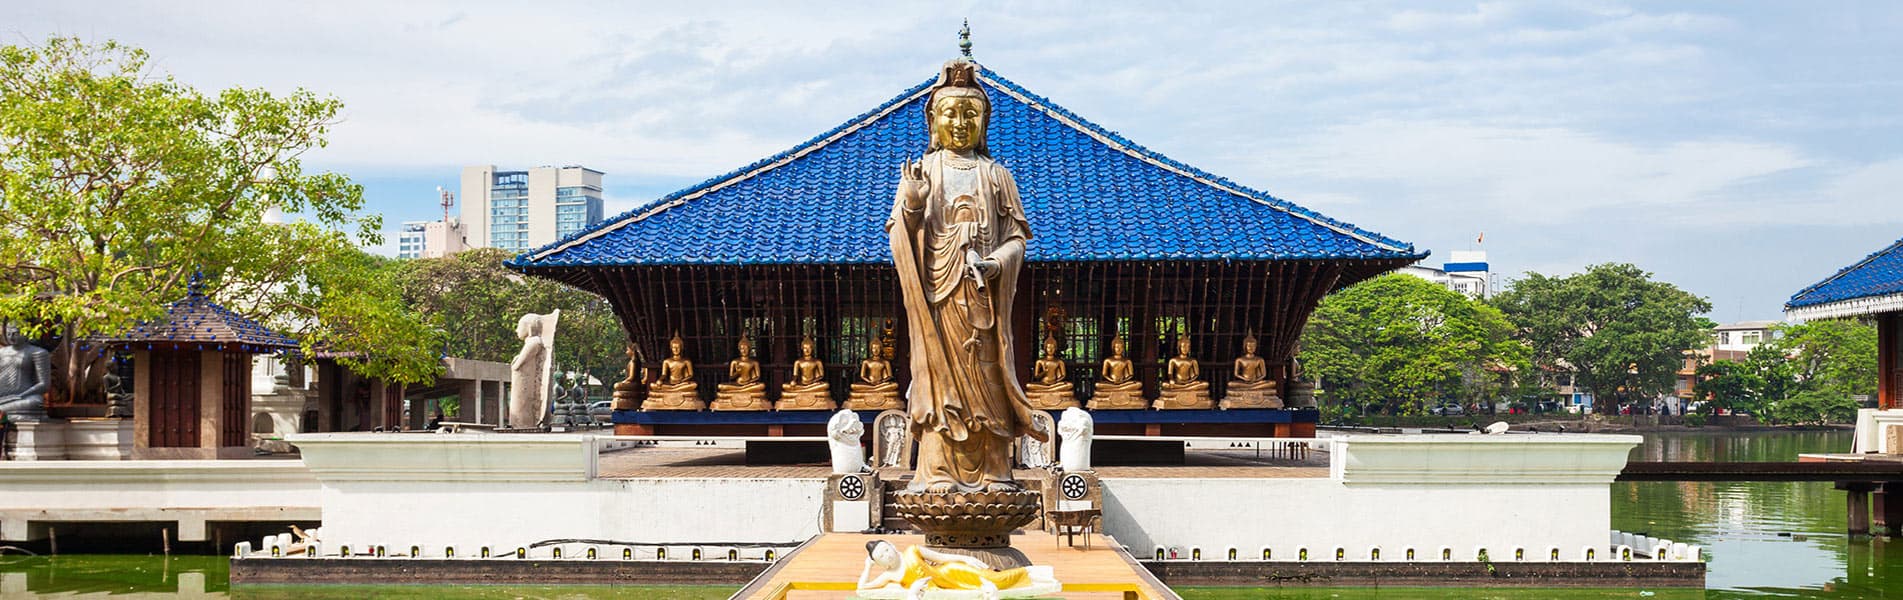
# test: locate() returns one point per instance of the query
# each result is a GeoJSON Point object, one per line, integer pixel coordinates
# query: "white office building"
{"type": "Point", "coordinates": [1466, 271]}
{"type": "Point", "coordinates": [522, 210]}
{"type": "Point", "coordinates": [431, 239]}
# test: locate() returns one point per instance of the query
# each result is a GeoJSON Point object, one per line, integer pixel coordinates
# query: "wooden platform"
{"type": "Point", "coordinates": [829, 565]}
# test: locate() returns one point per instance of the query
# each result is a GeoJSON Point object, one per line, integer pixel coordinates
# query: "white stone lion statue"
{"type": "Point", "coordinates": [842, 435]}
{"type": "Point", "coordinates": [1076, 429]}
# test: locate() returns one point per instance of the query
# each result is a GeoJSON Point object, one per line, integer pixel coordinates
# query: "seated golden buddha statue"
{"type": "Point", "coordinates": [629, 392]}
{"type": "Point", "coordinates": [1117, 386]}
{"type": "Point", "coordinates": [1183, 386]}
{"type": "Point", "coordinates": [675, 390]}
{"type": "Point", "coordinates": [745, 392]}
{"type": "Point", "coordinates": [808, 389]}
{"type": "Point", "coordinates": [875, 389]}
{"type": "Point", "coordinates": [1249, 385]}
{"type": "Point", "coordinates": [1050, 390]}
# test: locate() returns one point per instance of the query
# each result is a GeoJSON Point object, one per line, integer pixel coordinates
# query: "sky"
{"type": "Point", "coordinates": [1739, 150]}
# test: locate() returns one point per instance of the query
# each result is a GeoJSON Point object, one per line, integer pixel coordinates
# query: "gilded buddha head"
{"type": "Point", "coordinates": [959, 111]}
{"type": "Point", "coordinates": [746, 347]}
{"type": "Point", "coordinates": [1249, 344]}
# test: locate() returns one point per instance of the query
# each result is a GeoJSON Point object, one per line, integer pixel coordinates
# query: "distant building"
{"type": "Point", "coordinates": [523, 210]}
{"type": "Point", "coordinates": [1731, 341]}
{"type": "Point", "coordinates": [1466, 272]}
{"type": "Point", "coordinates": [431, 239]}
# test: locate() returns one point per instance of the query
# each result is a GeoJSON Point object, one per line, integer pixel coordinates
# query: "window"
{"type": "Point", "coordinates": [1751, 337]}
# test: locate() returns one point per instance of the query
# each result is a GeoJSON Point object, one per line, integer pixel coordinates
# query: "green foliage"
{"type": "Point", "coordinates": [1836, 355]}
{"type": "Point", "coordinates": [1622, 333]}
{"type": "Point", "coordinates": [117, 184]}
{"type": "Point", "coordinates": [1401, 343]}
{"type": "Point", "coordinates": [1816, 406]}
{"type": "Point", "coordinates": [476, 301]}
{"type": "Point", "coordinates": [1694, 420]}
{"type": "Point", "coordinates": [1729, 385]}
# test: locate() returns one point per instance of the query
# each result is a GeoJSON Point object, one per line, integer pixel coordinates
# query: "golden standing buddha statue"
{"type": "Point", "coordinates": [1117, 386]}
{"type": "Point", "coordinates": [676, 389]}
{"type": "Point", "coordinates": [875, 389]}
{"type": "Point", "coordinates": [745, 392]}
{"type": "Point", "coordinates": [1249, 385]}
{"type": "Point", "coordinates": [808, 389]}
{"type": "Point", "coordinates": [1051, 390]}
{"type": "Point", "coordinates": [1183, 387]}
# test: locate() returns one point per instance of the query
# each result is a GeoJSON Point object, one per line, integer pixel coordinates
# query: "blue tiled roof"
{"type": "Point", "coordinates": [195, 319]}
{"type": "Point", "coordinates": [1879, 274]}
{"type": "Point", "coordinates": [1088, 193]}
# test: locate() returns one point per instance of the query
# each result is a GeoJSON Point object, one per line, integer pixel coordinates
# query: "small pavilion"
{"type": "Point", "coordinates": [1871, 289]}
{"type": "Point", "coordinates": [1126, 242]}
{"type": "Point", "coordinates": [192, 379]}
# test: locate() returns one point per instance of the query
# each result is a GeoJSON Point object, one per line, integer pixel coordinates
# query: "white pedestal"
{"type": "Point", "coordinates": [99, 439]}
{"type": "Point", "coordinates": [1871, 427]}
{"type": "Point", "coordinates": [38, 440]}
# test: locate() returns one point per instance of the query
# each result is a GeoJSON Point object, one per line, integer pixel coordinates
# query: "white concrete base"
{"type": "Point", "coordinates": [190, 493]}
{"type": "Point", "coordinates": [99, 439]}
{"type": "Point", "coordinates": [1871, 426]}
{"type": "Point", "coordinates": [38, 440]}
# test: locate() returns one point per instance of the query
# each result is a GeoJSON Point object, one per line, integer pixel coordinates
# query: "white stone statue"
{"type": "Point", "coordinates": [842, 435]}
{"type": "Point", "coordinates": [1076, 429]}
{"type": "Point", "coordinates": [529, 384]}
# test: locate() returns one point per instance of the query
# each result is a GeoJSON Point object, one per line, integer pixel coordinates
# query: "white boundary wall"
{"type": "Point", "coordinates": [513, 490]}
{"type": "Point", "coordinates": [1392, 491]}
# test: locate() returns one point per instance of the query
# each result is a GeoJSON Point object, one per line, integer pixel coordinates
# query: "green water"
{"type": "Point", "coordinates": [1762, 539]}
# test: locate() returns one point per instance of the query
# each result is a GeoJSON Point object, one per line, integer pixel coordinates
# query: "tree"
{"type": "Point", "coordinates": [1623, 334]}
{"type": "Point", "coordinates": [477, 302]}
{"type": "Point", "coordinates": [1835, 355]}
{"type": "Point", "coordinates": [118, 185]}
{"type": "Point", "coordinates": [1729, 385]}
{"type": "Point", "coordinates": [1401, 342]}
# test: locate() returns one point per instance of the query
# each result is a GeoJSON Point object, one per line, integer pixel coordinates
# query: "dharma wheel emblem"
{"type": "Point", "coordinates": [1074, 487]}
{"type": "Point", "coordinates": [852, 487]}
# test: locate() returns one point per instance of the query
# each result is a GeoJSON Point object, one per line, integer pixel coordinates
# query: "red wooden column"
{"type": "Point", "coordinates": [1889, 374]}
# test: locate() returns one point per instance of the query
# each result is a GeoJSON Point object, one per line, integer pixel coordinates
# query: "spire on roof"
{"type": "Point", "coordinates": [964, 39]}
{"type": "Point", "coordinates": [197, 285]}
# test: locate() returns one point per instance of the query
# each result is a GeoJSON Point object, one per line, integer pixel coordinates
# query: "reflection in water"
{"type": "Point", "coordinates": [1759, 538]}
{"type": "Point", "coordinates": [1775, 539]}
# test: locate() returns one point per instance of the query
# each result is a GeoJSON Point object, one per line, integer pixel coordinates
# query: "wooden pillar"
{"type": "Point", "coordinates": [1887, 509]}
{"type": "Point", "coordinates": [1889, 373]}
{"type": "Point", "coordinates": [1857, 504]}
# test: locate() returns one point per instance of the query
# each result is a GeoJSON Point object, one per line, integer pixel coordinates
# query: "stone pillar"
{"type": "Point", "coordinates": [470, 393]}
{"type": "Point", "coordinates": [37, 440]}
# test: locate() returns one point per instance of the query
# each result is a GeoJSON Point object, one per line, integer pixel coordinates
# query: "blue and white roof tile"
{"type": "Point", "coordinates": [1089, 194]}
{"type": "Point", "coordinates": [1871, 285]}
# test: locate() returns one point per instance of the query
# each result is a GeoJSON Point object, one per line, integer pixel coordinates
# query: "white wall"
{"type": "Point", "coordinates": [1286, 514]}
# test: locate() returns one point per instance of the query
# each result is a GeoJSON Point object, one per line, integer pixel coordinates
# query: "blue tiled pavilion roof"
{"type": "Point", "coordinates": [1089, 194]}
{"type": "Point", "coordinates": [195, 319]}
{"type": "Point", "coordinates": [1879, 274]}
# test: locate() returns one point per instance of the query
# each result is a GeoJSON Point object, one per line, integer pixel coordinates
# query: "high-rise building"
{"type": "Point", "coordinates": [521, 210]}
{"type": "Point", "coordinates": [431, 239]}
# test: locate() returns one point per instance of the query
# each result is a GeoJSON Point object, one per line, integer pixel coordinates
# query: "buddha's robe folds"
{"type": "Point", "coordinates": [966, 403]}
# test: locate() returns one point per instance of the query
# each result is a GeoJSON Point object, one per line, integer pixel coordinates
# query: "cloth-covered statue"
{"type": "Point", "coordinates": [918, 572]}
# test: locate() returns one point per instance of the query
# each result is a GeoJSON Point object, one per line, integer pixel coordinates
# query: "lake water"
{"type": "Point", "coordinates": [1761, 539]}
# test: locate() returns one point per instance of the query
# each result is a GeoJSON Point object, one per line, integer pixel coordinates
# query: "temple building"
{"type": "Point", "coordinates": [1871, 289]}
{"type": "Point", "coordinates": [1125, 243]}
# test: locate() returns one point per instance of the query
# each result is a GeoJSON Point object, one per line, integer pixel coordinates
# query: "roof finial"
{"type": "Point", "coordinates": [964, 39]}
{"type": "Point", "coordinates": [197, 285]}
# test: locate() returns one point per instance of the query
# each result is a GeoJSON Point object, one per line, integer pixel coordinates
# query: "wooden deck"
{"type": "Point", "coordinates": [828, 566]}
